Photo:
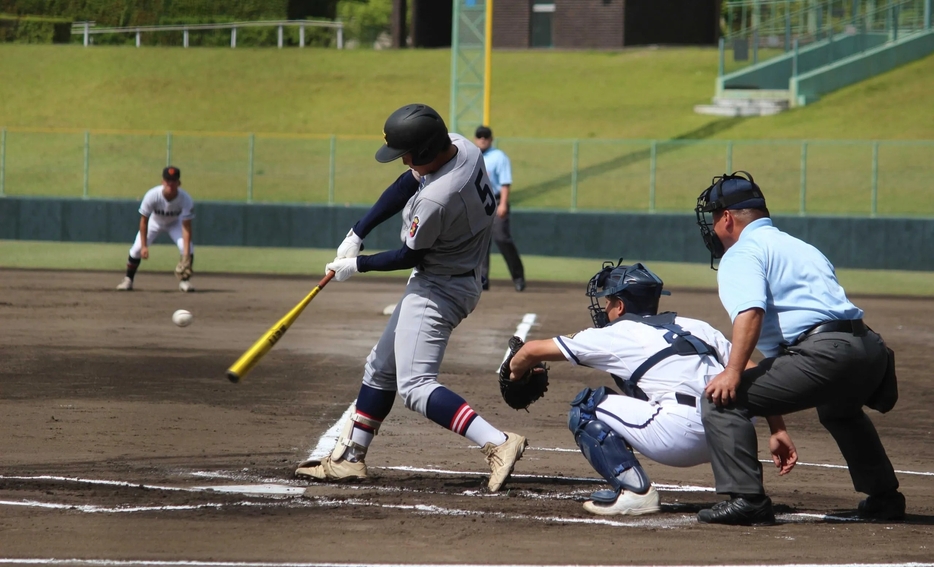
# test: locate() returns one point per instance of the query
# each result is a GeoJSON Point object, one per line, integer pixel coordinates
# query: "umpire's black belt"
{"type": "Point", "coordinates": [855, 327]}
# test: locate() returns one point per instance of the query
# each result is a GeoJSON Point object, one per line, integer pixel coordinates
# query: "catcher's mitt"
{"type": "Point", "coordinates": [183, 268]}
{"type": "Point", "coordinates": [520, 393]}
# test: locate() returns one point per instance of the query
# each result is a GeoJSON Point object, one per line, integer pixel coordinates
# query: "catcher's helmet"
{"type": "Point", "coordinates": [636, 286]}
{"type": "Point", "coordinates": [414, 128]}
{"type": "Point", "coordinates": [734, 191]}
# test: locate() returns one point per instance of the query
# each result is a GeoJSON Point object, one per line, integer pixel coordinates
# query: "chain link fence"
{"type": "Point", "coordinates": [865, 178]}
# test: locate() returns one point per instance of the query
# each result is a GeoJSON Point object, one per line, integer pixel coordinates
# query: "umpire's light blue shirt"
{"type": "Point", "coordinates": [787, 278]}
{"type": "Point", "coordinates": [498, 168]}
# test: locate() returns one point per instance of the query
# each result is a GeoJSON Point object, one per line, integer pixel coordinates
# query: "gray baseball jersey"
{"type": "Point", "coordinates": [452, 216]}
{"type": "Point", "coordinates": [452, 213]}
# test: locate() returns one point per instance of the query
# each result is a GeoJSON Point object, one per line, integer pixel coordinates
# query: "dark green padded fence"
{"type": "Point", "coordinates": [849, 242]}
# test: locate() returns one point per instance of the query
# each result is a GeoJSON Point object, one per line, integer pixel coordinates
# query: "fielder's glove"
{"type": "Point", "coordinates": [351, 246]}
{"type": "Point", "coordinates": [343, 268]}
{"type": "Point", "coordinates": [528, 388]}
{"type": "Point", "coordinates": [183, 268]}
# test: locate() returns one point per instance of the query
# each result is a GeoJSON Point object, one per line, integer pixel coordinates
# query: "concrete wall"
{"type": "Point", "coordinates": [881, 243]}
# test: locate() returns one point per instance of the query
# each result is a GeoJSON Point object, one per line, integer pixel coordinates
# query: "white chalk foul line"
{"type": "Point", "coordinates": [192, 563]}
{"type": "Point", "coordinates": [522, 331]}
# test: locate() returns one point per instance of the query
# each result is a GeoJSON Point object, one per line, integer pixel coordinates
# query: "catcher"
{"type": "Point", "coordinates": [660, 362]}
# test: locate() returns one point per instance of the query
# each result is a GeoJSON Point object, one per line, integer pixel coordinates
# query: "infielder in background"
{"type": "Point", "coordinates": [165, 208]}
{"type": "Point", "coordinates": [447, 210]}
{"type": "Point", "coordinates": [500, 171]}
{"type": "Point", "coordinates": [662, 363]}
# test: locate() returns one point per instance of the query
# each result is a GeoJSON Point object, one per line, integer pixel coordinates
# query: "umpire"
{"type": "Point", "coordinates": [499, 169]}
{"type": "Point", "coordinates": [784, 299]}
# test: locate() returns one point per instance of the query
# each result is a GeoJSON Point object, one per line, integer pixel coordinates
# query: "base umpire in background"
{"type": "Point", "coordinates": [500, 172]}
{"type": "Point", "coordinates": [783, 297]}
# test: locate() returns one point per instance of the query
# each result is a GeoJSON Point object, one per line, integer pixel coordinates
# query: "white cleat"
{"type": "Point", "coordinates": [125, 285]}
{"type": "Point", "coordinates": [502, 458]}
{"type": "Point", "coordinates": [329, 469]}
{"type": "Point", "coordinates": [627, 504]}
{"type": "Point", "coordinates": [185, 286]}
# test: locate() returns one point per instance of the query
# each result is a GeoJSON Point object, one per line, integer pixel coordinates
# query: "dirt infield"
{"type": "Point", "coordinates": [114, 421]}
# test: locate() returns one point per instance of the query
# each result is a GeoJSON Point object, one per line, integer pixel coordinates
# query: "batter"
{"type": "Point", "coordinates": [447, 209]}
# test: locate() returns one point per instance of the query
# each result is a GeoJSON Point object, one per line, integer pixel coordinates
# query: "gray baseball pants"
{"type": "Point", "coordinates": [408, 356]}
{"type": "Point", "coordinates": [833, 372]}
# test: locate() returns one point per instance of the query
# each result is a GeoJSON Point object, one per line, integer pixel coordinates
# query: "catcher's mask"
{"type": "Point", "coordinates": [415, 128]}
{"type": "Point", "coordinates": [734, 191]}
{"type": "Point", "coordinates": [636, 286]}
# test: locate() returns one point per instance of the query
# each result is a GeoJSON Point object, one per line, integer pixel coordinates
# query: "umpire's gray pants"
{"type": "Point", "coordinates": [408, 355]}
{"type": "Point", "coordinates": [834, 372]}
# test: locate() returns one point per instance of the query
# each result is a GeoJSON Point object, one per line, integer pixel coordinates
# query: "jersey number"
{"type": "Point", "coordinates": [489, 201]}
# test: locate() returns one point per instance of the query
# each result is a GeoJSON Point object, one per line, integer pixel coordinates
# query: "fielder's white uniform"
{"type": "Point", "coordinates": [663, 428]}
{"type": "Point", "coordinates": [165, 217]}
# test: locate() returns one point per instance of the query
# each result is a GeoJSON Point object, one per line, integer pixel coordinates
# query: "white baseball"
{"type": "Point", "coordinates": [182, 318]}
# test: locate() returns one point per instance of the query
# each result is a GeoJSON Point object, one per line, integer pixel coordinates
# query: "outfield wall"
{"type": "Point", "coordinates": [849, 242]}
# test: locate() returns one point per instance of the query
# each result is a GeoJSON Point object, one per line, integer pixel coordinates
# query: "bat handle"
{"type": "Point", "coordinates": [324, 281]}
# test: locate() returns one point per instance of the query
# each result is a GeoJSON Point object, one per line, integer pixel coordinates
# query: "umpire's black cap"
{"type": "Point", "coordinates": [171, 173]}
{"type": "Point", "coordinates": [734, 191]}
{"type": "Point", "coordinates": [483, 132]}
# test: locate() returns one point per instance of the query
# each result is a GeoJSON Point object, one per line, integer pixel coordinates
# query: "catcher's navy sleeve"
{"type": "Point", "coordinates": [389, 203]}
{"type": "Point", "coordinates": [401, 259]}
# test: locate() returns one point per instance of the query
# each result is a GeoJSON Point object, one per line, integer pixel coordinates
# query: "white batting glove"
{"type": "Point", "coordinates": [343, 268]}
{"type": "Point", "coordinates": [351, 246]}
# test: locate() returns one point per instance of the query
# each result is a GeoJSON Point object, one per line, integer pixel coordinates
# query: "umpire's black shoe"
{"type": "Point", "coordinates": [520, 283]}
{"type": "Point", "coordinates": [884, 507]}
{"type": "Point", "coordinates": [739, 512]}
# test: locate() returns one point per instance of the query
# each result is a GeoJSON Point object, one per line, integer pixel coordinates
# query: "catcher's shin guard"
{"type": "Point", "coordinates": [604, 449]}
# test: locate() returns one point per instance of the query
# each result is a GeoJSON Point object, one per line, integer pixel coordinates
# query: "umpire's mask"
{"type": "Point", "coordinates": [734, 191]}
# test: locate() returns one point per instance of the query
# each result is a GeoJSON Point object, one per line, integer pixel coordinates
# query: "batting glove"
{"type": "Point", "coordinates": [351, 246]}
{"type": "Point", "coordinates": [343, 268]}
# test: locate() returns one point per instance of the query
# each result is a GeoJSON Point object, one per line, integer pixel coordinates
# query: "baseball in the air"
{"type": "Point", "coordinates": [182, 318]}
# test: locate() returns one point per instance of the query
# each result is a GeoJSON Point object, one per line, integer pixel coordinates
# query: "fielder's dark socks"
{"type": "Point", "coordinates": [132, 264]}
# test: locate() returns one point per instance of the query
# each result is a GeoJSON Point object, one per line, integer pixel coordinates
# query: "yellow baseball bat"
{"type": "Point", "coordinates": [253, 355]}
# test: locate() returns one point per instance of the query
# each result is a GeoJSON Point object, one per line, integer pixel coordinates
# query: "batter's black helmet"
{"type": "Point", "coordinates": [414, 128]}
{"type": "Point", "coordinates": [636, 286]}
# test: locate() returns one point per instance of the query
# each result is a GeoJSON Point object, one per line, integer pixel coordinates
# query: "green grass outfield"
{"type": "Point", "coordinates": [291, 261]}
{"type": "Point", "coordinates": [294, 100]}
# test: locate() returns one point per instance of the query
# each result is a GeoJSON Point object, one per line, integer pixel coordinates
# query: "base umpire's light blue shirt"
{"type": "Point", "coordinates": [498, 168]}
{"type": "Point", "coordinates": [787, 278]}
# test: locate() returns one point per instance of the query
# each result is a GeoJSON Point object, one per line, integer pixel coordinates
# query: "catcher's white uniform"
{"type": "Point", "coordinates": [667, 427]}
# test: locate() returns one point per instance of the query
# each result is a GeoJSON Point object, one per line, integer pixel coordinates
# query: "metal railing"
{"type": "Point", "coordinates": [87, 29]}
{"type": "Point", "coordinates": [778, 26]}
{"type": "Point", "coordinates": [804, 177]}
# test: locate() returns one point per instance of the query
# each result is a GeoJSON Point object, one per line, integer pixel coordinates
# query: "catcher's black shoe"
{"type": "Point", "coordinates": [884, 507]}
{"type": "Point", "coordinates": [739, 512]}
